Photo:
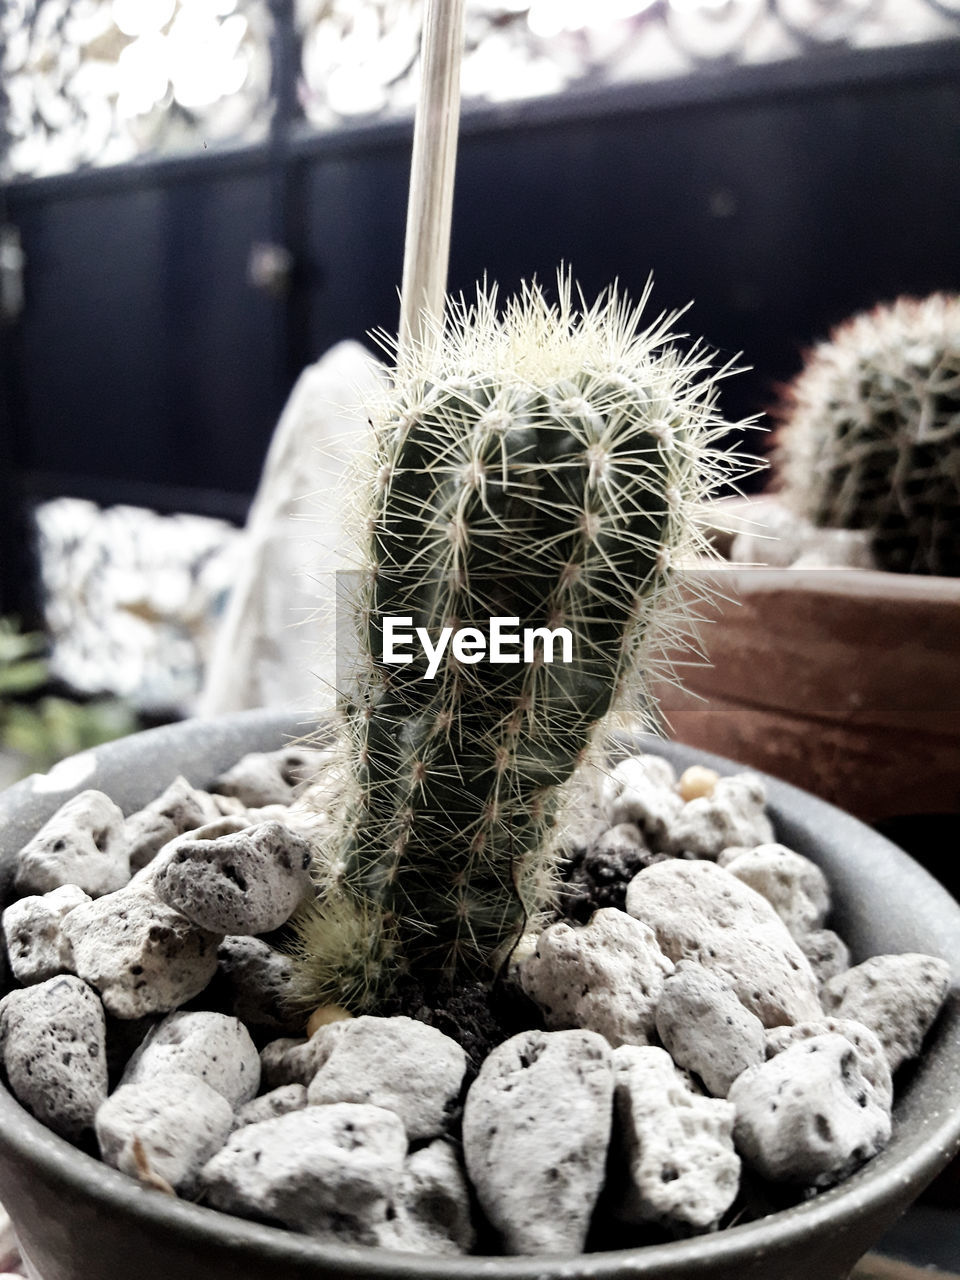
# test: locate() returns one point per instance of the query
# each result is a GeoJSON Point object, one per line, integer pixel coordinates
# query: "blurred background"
{"type": "Point", "coordinates": [200, 197]}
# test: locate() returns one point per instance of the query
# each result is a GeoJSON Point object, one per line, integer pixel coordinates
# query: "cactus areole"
{"type": "Point", "coordinates": [533, 477]}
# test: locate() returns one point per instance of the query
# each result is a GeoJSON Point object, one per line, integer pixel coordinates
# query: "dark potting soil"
{"type": "Point", "coordinates": [479, 1016]}
{"type": "Point", "coordinates": [598, 877]}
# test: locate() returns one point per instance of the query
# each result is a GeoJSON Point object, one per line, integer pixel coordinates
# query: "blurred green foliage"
{"type": "Point", "coordinates": [38, 729]}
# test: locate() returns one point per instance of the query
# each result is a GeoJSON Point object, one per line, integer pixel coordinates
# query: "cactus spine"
{"type": "Point", "coordinates": [541, 466]}
{"type": "Point", "coordinates": [871, 434]}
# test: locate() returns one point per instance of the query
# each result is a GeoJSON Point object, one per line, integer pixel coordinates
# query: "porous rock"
{"type": "Point", "coordinates": [141, 955]}
{"type": "Point", "coordinates": [168, 1127]}
{"type": "Point", "coordinates": [896, 996]}
{"type": "Point", "coordinates": [706, 1029]}
{"type": "Point", "coordinates": [214, 1047]}
{"type": "Point", "coordinates": [397, 1063]}
{"type": "Point", "coordinates": [794, 886]}
{"type": "Point", "coordinates": [297, 1059]}
{"type": "Point", "coordinates": [640, 790]}
{"type": "Point", "coordinates": [699, 911]}
{"type": "Point", "coordinates": [244, 883]}
{"type": "Point", "coordinates": [179, 809]}
{"type": "Point", "coordinates": [53, 1049]}
{"type": "Point", "coordinates": [536, 1127]}
{"type": "Point", "coordinates": [809, 1115]}
{"type": "Point", "coordinates": [82, 844]}
{"type": "Point", "coordinates": [36, 946]}
{"type": "Point", "coordinates": [255, 980]}
{"type": "Point", "coordinates": [733, 814]}
{"type": "Point", "coordinates": [331, 1172]}
{"type": "Point", "coordinates": [605, 976]}
{"type": "Point", "coordinates": [870, 1055]}
{"type": "Point", "coordinates": [681, 1167]}
{"type": "Point", "coordinates": [278, 1102]}
{"type": "Point", "coordinates": [827, 952]}
{"type": "Point", "coordinates": [269, 777]}
{"type": "Point", "coordinates": [268, 813]}
{"type": "Point", "coordinates": [432, 1204]}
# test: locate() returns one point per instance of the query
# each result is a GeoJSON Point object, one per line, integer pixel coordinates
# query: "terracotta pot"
{"type": "Point", "coordinates": [80, 1220]}
{"type": "Point", "coordinates": [842, 681]}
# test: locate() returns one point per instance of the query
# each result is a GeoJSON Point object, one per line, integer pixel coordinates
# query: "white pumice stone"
{"type": "Point", "coordinates": [274, 1069]}
{"type": "Point", "coordinates": [701, 912]}
{"type": "Point", "coordinates": [214, 1047]}
{"type": "Point", "coordinates": [808, 1115]}
{"type": "Point", "coordinates": [82, 844]}
{"type": "Point", "coordinates": [176, 1121]}
{"type": "Point", "coordinates": [896, 996]}
{"type": "Point", "coordinates": [255, 780]}
{"type": "Point", "coordinates": [36, 946]}
{"type": "Point", "coordinates": [642, 768]}
{"type": "Point", "coordinates": [733, 814]}
{"type": "Point", "coordinates": [179, 809]}
{"type": "Point", "coordinates": [297, 1059]}
{"type": "Point", "coordinates": [794, 886]}
{"type": "Point", "coordinates": [624, 838]}
{"type": "Point", "coordinates": [278, 1102]}
{"type": "Point", "coordinates": [870, 1055]}
{"type": "Point", "coordinates": [249, 882]}
{"type": "Point", "coordinates": [331, 1172]}
{"type": "Point", "coordinates": [536, 1127]}
{"type": "Point", "coordinates": [224, 825]}
{"type": "Point", "coordinates": [432, 1204]}
{"type": "Point", "coordinates": [605, 976]}
{"type": "Point", "coordinates": [268, 813]}
{"type": "Point", "coordinates": [257, 980]}
{"type": "Point", "coordinates": [397, 1063]}
{"type": "Point", "coordinates": [681, 1167]}
{"type": "Point", "coordinates": [706, 1029]}
{"type": "Point", "coordinates": [640, 790]}
{"type": "Point", "coordinates": [53, 1050]}
{"type": "Point", "coordinates": [264, 778]}
{"type": "Point", "coordinates": [827, 952]}
{"type": "Point", "coordinates": [228, 806]}
{"type": "Point", "coordinates": [141, 955]}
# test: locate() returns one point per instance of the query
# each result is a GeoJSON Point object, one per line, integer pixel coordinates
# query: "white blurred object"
{"type": "Point", "coordinates": [275, 645]}
{"type": "Point", "coordinates": [131, 598]}
{"type": "Point", "coordinates": [769, 533]}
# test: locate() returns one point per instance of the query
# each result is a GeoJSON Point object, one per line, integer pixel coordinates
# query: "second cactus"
{"type": "Point", "coordinates": [871, 434]}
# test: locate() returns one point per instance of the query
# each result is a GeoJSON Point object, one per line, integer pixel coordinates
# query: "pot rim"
{"type": "Point", "coordinates": [877, 1184]}
{"type": "Point", "coordinates": [864, 585]}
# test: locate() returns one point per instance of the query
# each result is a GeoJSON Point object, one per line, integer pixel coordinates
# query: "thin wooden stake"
{"type": "Point", "coordinates": [426, 254]}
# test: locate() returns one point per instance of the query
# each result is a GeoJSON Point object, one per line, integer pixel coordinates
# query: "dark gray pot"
{"type": "Point", "coordinates": [79, 1220]}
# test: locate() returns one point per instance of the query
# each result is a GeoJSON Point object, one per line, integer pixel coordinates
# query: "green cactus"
{"type": "Point", "coordinates": [871, 434]}
{"type": "Point", "coordinates": [543, 466]}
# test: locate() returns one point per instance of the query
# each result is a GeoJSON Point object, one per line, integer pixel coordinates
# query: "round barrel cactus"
{"type": "Point", "coordinates": [871, 434]}
{"type": "Point", "coordinates": [531, 485]}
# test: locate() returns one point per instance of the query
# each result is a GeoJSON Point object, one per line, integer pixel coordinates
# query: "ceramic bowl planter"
{"type": "Point", "coordinates": [841, 681]}
{"type": "Point", "coordinates": [80, 1220]}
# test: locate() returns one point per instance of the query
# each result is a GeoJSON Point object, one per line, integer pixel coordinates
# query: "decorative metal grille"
{"type": "Point", "coordinates": [99, 81]}
{"type": "Point", "coordinates": [361, 59]}
{"type": "Point", "coordinates": [132, 599]}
